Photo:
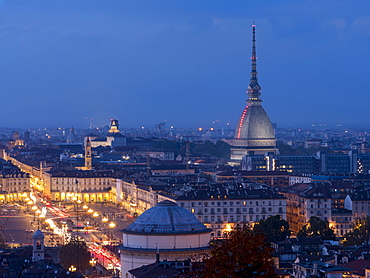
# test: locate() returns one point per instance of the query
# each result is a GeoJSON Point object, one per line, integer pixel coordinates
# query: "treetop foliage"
{"type": "Point", "coordinates": [243, 254]}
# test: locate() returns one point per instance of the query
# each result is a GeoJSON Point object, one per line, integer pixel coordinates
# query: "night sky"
{"type": "Point", "coordinates": [185, 62]}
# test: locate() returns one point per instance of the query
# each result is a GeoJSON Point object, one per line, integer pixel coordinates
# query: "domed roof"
{"type": "Point", "coordinates": [166, 218]}
{"type": "Point", "coordinates": [254, 123]}
{"type": "Point", "coordinates": [38, 234]}
{"type": "Point", "coordinates": [72, 137]}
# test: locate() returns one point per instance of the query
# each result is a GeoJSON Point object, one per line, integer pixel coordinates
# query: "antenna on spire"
{"type": "Point", "coordinates": [91, 124]}
{"type": "Point", "coordinates": [254, 55]}
{"type": "Point", "coordinates": [254, 88]}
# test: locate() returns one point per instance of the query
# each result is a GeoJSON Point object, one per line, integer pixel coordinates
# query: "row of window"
{"type": "Point", "coordinates": [68, 189]}
{"type": "Point", "coordinates": [225, 203]}
{"type": "Point", "coordinates": [342, 219]}
{"type": "Point", "coordinates": [232, 218]}
{"type": "Point", "coordinates": [318, 206]}
{"type": "Point", "coordinates": [89, 183]}
{"type": "Point", "coordinates": [318, 212]}
{"type": "Point", "coordinates": [237, 210]}
{"type": "Point", "coordinates": [16, 183]}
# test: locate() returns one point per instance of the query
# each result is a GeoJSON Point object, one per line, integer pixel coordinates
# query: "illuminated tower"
{"type": "Point", "coordinates": [88, 156]}
{"type": "Point", "coordinates": [254, 134]}
{"type": "Point", "coordinates": [113, 127]}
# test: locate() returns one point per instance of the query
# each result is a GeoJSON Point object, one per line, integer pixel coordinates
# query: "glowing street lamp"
{"type": "Point", "coordinates": [92, 262]}
{"type": "Point", "coordinates": [112, 225]}
{"type": "Point", "coordinates": [105, 219]}
{"type": "Point", "coordinates": [72, 268]}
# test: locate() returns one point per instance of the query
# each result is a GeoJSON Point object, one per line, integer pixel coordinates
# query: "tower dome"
{"type": "Point", "coordinates": [167, 218]}
{"type": "Point", "coordinates": [254, 134]}
{"type": "Point", "coordinates": [38, 234]}
{"type": "Point", "coordinates": [72, 137]}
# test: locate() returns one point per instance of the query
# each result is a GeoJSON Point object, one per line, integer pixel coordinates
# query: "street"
{"type": "Point", "coordinates": [96, 224]}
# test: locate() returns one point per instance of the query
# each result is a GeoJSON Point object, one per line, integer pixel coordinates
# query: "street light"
{"type": "Point", "coordinates": [112, 225]}
{"type": "Point", "coordinates": [105, 220]}
{"type": "Point", "coordinates": [95, 215]}
{"type": "Point", "coordinates": [37, 213]}
{"type": "Point", "coordinates": [93, 263]}
{"type": "Point", "coordinates": [72, 268]}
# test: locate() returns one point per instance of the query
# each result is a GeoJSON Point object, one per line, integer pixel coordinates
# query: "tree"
{"type": "Point", "coordinates": [274, 228]}
{"type": "Point", "coordinates": [316, 228]}
{"type": "Point", "coordinates": [360, 233]}
{"type": "Point", "coordinates": [243, 254]}
{"type": "Point", "coordinates": [75, 253]}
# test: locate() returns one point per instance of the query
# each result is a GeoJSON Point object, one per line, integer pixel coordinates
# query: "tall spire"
{"type": "Point", "coordinates": [254, 88]}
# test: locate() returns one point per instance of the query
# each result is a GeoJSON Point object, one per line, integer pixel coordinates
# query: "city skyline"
{"type": "Point", "coordinates": [185, 62]}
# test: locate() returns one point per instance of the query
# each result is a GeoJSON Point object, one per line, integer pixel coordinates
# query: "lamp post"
{"type": "Point", "coordinates": [41, 219]}
{"type": "Point", "coordinates": [77, 202]}
{"type": "Point", "coordinates": [37, 213]}
{"type": "Point", "coordinates": [112, 225]}
{"type": "Point", "coordinates": [104, 220]}
{"type": "Point", "coordinates": [72, 268]}
{"type": "Point", "coordinates": [34, 208]}
{"type": "Point", "coordinates": [95, 215]}
{"type": "Point", "coordinates": [93, 263]}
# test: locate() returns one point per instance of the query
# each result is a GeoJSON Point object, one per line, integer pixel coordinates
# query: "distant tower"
{"type": "Point", "coordinates": [113, 127]}
{"type": "Point", "coordinates": [38, 246]}
{"type": "Point", "coordinates": [88, 155]}
{"type": "Point", "coordinates": [16, 135]}
{"type": "Point", "coordinates": [26, 137]}
{"type": "Point", "coordinates": [91, 125]}
{"type": "Point", "coordinates": [254, 134]}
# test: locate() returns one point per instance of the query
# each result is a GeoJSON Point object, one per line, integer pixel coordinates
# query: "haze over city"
{"type": "Point", "coordinates": [184, 62]}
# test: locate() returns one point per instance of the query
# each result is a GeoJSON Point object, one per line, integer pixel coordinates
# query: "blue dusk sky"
{"type": "Point", "coordinates": [186, 62]}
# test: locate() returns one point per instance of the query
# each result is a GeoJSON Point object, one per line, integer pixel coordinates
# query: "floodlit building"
{"type": "Point", "coordinates": [254, 134]}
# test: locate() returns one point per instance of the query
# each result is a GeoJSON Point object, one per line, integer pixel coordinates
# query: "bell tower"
{"type": "Point", "coordinates": [38, 252]}
{"type": "Point", "coordinates": [88, 155]}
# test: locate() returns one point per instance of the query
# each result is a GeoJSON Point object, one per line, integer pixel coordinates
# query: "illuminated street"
{"type": "Point", "coordinates": [98, 225]}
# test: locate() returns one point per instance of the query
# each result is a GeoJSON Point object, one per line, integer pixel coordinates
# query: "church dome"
{"type": "Point", "coordinates": [166, 218]}
{"type": "Point", "coordinates": [254, 123]}
{"type": "Point", "coordinates": [38, 234]}
{"type": "Point", "coordinates": [72, 137]}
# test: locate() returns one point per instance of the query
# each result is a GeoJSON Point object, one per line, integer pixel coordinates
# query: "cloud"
{"type": "Point", "coordinates": [361, 26]}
